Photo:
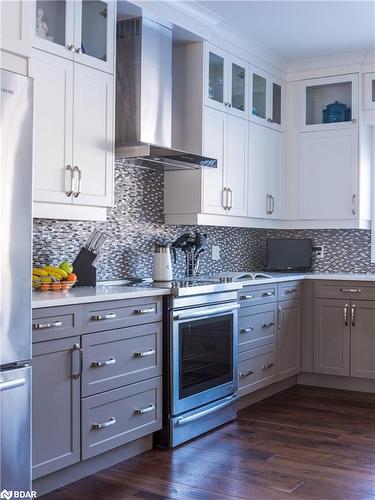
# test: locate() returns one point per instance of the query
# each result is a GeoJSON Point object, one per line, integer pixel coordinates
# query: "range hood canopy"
{"type": "Point", "coordinates": [144, 99]}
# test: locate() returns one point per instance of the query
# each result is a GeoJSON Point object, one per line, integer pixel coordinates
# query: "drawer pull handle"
{"type": "Point", "coordinates": [144, 353]}
{"type": "Point", "coordinates": [266, 367]}
{"type": "Point", "coordinates": [290, 291]}
{"type": "Point", "coordinates": [246, 297]}
{"type": "Point", "coordinates": [249, 329]}
{"type": "Point", "coordinates": [41, 326]}
{"type": "Point", "coordinates": [267, 294]}
{"type": "Point", "coordinates": [97, 364]}
{"type": "Point", "coordinates": [351, 290]}
{"type": "Point", "coordinates": [141, 411]}
{"type": "Point", "coordinates": [103, 425]}
{"type": "Point", "coordinates": [246, 374]}
{"type": "Point", "coordinates": [145, 311]}
{"type": "Point", "coordinates": [100, 317]}
{"type": "Point", "coordinates": [268, 325]}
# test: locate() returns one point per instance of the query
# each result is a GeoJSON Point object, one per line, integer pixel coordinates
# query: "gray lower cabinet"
{"type": "Point", "coordinates": [363, 339]}
{"type": "Point", "coordinates": [289, 348]}
{"type": "Point", "coordinates": [55, 405]}
{"type": "Point", "coordinates": [332, 337]}
{"type": "Point", "coordinates": [257, 326]}
{"type": "Point", "coordinates": [116, 417]}
{"type": "Point", "coordinates": [256, 369]}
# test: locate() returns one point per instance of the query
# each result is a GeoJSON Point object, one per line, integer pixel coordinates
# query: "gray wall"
{"type": "Point", "coordinates": [136, 223]}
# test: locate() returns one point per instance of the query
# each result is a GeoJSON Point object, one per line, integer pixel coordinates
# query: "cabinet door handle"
{"type": "Point", "coordinates": [351, 290]}
{"type": "Point", "coordinates": [103, 425]}
{"type": "Point", "coordinates": [78, 50]}
{"type": "Point", "coordinates": [269, 365]}
{"type": "Point", "coordinates": [354, 120]}
{"type": "Point", "coordinates": [42, 326]}
{"type": "Point", "coordinates": [78, 192]}
{"type": "Point", "coordinates": [101, 317]}
{"type": "Point", "coordinates": [268, 325]}
{"type": "Point", "coordinates": [346, 315]}
{"type": "Point", "coordinates": [145, 311]}
{"type": "Point", "coordinates": [231, 199]}
{"type": "Point", "coordinates": [290, 291]}
{"type": "Point", "coordinates": [353, 315]}
{"type": "Point", "coordinates": [354, 204]}
{"type": "Point", "coordinates": [76, 361]}
{"type": "Point", "coordinates": [141, 411]}
{"type": "Point", "coordinates": [143, 354]}
{"type": "Point", "coordinates": [272, 204]}
{"type": "Point", "coordinates": [267, 294]}
{"type": "Point", "coordinates": [269, 120]}
{"type": "Point", "coordinates": [249, 329]}
{"type": "Point", "coordinates": [225, 198]}
{"type": "Point", "coordinates": [246, 374]}
{"type": "Point", "coordinates": [70, 47]}
{"type": "Point", "coordinates": [69, 168]}
{"type": "Point", "coordinates": [246, 297]}
{"type": "Point", "coordinates": [268, 212]}
{"type": "Point", "coordinates": [98, 364]}
{"type": "Point", "coordinates": [281, 314]}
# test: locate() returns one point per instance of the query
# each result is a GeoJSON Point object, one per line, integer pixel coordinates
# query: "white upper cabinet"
{"type": "Point", "coordinates": [369, 91]}
{"type": "Point", "coordinates": [17, 18]}
{"type": "Point", "coordinates": [266, 193]}
{"type": "Point", "coordinates": [328, 162]}
{"type": "Point", "coordinates": [226, 82]}
{"type": "Point", "coordinates": [93, 136]}
{"type": "Point", "coordinates": [80, 30]}
{"type": "Point", "coordinates": [330, 102]}
{"type": "Point", "coordinates": [267, 98]}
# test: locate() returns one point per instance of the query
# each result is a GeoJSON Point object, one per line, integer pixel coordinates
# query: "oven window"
{"type": "Point", "coordinates": [206, 354]}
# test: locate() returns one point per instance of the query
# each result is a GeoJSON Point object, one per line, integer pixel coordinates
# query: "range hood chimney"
{"type": "Point", "coordinates": [144, 98]}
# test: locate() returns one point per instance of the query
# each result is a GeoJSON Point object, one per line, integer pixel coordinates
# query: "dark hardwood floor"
{"type": "Point", "coordinates": [303, 443]}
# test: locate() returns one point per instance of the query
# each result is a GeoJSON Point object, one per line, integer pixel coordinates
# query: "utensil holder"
{"type": "Point", "coordinates": [84, 269]}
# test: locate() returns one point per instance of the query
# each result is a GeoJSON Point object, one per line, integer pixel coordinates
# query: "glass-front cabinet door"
{"type": "Point", "coordinates": [216, 86]}
{"type": "Point", "coordinates": [266, 99]}
{"type": "Point", "coordinates": [237, 103]}
{"type": "Point", "coordinates": [54, 27]}
{"type": "Point", "coordinates": [369, 93]}
{"type": "Point", "coordinates": [329, 103]}
{"type": "Point", "coordinates": [94, 33]}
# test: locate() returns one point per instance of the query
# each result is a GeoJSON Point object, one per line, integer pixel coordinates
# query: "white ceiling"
{"type": "Point", "coordinates": [302, 29]}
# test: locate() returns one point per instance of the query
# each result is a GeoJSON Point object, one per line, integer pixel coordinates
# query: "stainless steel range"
{"type": "Point", "coordinates": [199, 358]}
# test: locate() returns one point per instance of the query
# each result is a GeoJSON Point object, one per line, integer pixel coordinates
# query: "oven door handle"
{"type": "Point", "coordinates": [212, 311]}
{"type": "Point", "coordinates": [196, 416]}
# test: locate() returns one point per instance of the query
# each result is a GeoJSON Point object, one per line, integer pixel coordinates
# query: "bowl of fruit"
{"type": "Point", "coordinates": [53, 278]}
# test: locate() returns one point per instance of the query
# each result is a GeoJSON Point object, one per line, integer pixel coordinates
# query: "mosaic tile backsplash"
{"type": "Point", "coordinates": [135, 224]}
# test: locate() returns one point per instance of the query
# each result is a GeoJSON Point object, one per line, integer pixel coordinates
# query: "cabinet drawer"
{"type": "Point", "coordinates": [117, 417]}
{"type": "Point", "coordinates": [359, 290]}
{"type": "Point", "coordinates": [252, 295]}
{"type": "Point", "coordinates": [290, 290]}
{"type": "Point", "coordinates": [119, 357]}
{"type": "Point", "coordinates": [120, 313]}
{"type": "Point", "coordinates": [258, 327]}
{"type": "Point", "coordinates": [55, 322]}
{"type": "Point", "coordinates": [256, 369]}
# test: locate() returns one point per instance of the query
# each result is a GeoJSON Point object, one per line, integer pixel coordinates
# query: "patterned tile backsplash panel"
{"type": "Point", "coordinates": [135, 224]}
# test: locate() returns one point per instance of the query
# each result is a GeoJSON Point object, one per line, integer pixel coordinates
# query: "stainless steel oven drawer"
{"type": "Point", "coordinates": [258, 327]}
{"type": "Point", "coordinates": [117, 417]}
{"type": "Point", "coordinates": [256, 295]}
{"type": "Point", "coordinates": [256, 369]}
{"type": "Point", "coordinates": [207, 417]}
{"type": "Point", "coordinates": [120, 357]}
{"type": "Point", "coordinates": [121, 313]}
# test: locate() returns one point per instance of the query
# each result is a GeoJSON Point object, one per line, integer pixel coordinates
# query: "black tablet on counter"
{"type": "Point", "coordinates": [289, 255]}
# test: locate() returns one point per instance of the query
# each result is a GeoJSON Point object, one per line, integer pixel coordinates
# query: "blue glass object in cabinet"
{"type": "Point", "coordinates": [337, 112]}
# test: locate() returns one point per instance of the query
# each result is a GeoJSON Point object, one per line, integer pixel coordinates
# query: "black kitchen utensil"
{"type": "Point", "coordinates": [84, 269]}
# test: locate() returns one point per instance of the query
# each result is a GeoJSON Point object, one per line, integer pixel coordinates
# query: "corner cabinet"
{"type": "Point", "coordinates": [82, 31]}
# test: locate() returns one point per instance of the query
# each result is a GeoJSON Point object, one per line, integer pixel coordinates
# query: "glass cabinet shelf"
{"type": "Point", "coordinates": [329, 103]}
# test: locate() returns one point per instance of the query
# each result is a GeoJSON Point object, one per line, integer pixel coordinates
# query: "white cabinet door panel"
{"type": "Point", "coordinates": [214, 146]}
{"type": "Point", "coordinates": [93, 135]}
{"type": "Point", "coordinates": [236, 170]}
{"type": "Point", "coordinates": [328, 163]}
{"type": "Point", "coordinates": [53, 126]}
{"type": "Point", "coordinates": [17, 22]}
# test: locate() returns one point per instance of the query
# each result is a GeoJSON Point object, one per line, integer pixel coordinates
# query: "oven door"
{"type": "Point", "coordinates": [204, 356]}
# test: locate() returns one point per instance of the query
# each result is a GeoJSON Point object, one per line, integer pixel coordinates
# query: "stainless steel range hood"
{"type": "Point", "coordinates": [144, 98]}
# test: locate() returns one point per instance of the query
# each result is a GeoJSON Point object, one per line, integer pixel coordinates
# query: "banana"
{"type": "Point", "coordinates": [37, 271]}
{"type": "Point", "coordinates": [55, 276]}
{"type": "Point", "coordinates": [36, 278]}
{"type": "Point", "coordinates": [56, 270]}
{"type": "Point", "coordinates": [46, 279]}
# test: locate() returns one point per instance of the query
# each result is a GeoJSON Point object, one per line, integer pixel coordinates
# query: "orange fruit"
{"type": "Point", "coordinates": [55, 287]}
{"type": "Point", "coordinates": [72, 277]}
{"type": "Point", "coordinates": [64, 285]}
{"type": "Point", "coordinates": [44, 287]}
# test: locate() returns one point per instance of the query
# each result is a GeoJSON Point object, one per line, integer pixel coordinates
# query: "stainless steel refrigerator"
{"type": "Point", "coordinates": [15, 285]}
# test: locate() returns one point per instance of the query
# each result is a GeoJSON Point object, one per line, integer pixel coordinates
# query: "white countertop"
{"type": "Point", "coordinates": [103, 292]}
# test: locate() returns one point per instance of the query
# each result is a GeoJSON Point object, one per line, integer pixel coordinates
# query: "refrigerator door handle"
{"type": "Point", "coordinates": [12, 384]}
